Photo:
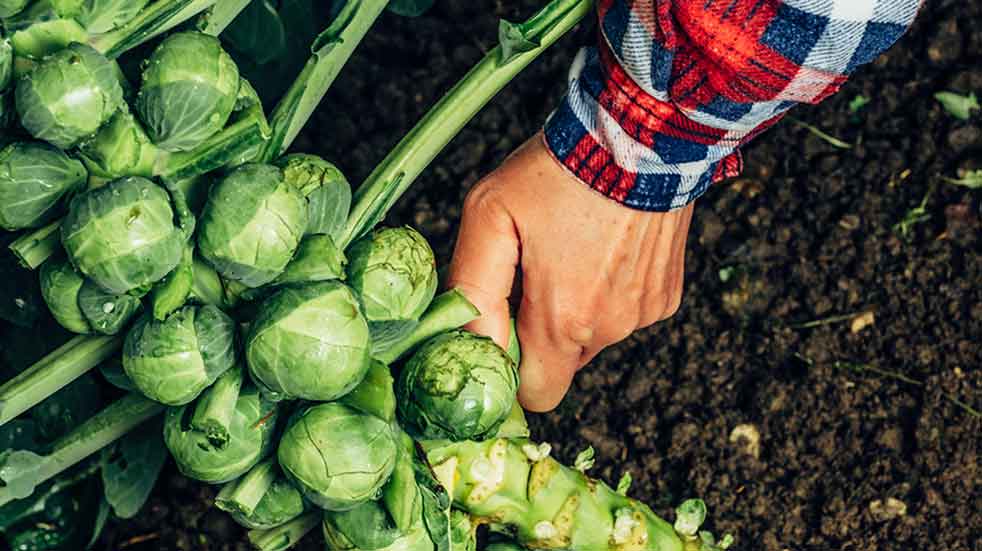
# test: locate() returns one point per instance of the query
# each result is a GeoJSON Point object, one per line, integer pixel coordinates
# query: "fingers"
{"type": "Point", "coordinates": [484, 262]}
{"type": "Point", "coordinates": [550, 355]}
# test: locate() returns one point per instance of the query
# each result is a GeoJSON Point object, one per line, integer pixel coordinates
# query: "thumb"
{"type": "Point", "coordinates": [484, 262]}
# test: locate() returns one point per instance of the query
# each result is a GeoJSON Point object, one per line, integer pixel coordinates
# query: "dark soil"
{"type": "Point", "coordinates": [860, 443]}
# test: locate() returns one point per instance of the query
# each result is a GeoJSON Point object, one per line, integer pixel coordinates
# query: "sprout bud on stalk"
{"type": "Point", "coordinates": [172, 361]}
{"type": "Point", "coordinates": [338, 457]}
{"type": "Point", "coordinates": [35, 178]}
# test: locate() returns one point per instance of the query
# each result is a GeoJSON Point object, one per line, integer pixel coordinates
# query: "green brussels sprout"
{"type": "Point", "coordinates": [338, 457]}
{"type": "Point", "coordinates": [309, 342]}
{"type": "Point", "coordinates": [326, 189]}
{"type": "Point", "coordinates": [34, 177]}
{"type": "Point", "coordinates": [172, 361]}
{"type": "Point", "coordinates": [120, 148]}
{"type": "Point", "coordinates": [60, 284]}
{"type": "Point", "coordinates": [6, 63]}
{"type": "Point", "coordinates": [189, 89]}
{"type": "Point", "coordinates": [252, 422]}
{"type": "Point", "coordinates": [9, 8]}
{"type": "Point", "coordinates": [393, 270]}
{"type": "Point", "coordinates": [262, 498]}
{"type": "Point", "coordinates": [457, 386]}
{"type": "Point", "coordinates": [416, 539]}
{"type": "Point", "coordinates": [101, 16]}
{"type": "Point", "coordinates": [122, 235]}
{"type": "Point", "coordinates": [81, 306]}
{"type": "Point", "coordinates": [367, 526]}
{"type": "Point", "coordinates": [252, 225]}
{"type": "Point", "coordinates": [69, 96]}
{"type": "Point", "coordinates": [107, 313]}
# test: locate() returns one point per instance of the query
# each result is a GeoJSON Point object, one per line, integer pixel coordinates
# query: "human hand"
{"type": "Point", "coordinates": [593, 271]}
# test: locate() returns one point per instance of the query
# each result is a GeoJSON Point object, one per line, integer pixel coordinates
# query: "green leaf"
{"type": "Point", "coordinates": [585, 460]}
{"type": "Point", "coordinates": [112, 372]}
{"type": "Point", "coordinates": [131, 469]}
{"type": "Point", "coordinates": [19, 472]}
{"type": "Point", "coordinates": [436, 503]}
{"type": "Point", "coordinates": [410, 8]}
{"type": "Point", "coordinates": [257, 32]}
{"type": "Point", "coordinates": [100, 522]}
{"type": "Point", "coordinates": [957, 105]}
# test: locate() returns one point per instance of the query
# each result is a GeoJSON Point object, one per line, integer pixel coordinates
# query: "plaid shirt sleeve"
{"type": "Point", "coordinates": [657, 111]}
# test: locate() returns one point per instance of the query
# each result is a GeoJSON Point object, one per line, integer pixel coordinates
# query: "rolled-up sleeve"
{"type": "Point", "coordinates": [658, 109]}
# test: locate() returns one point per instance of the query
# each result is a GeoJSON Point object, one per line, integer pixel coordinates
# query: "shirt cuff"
{"type": "Point", "coordinates": [632, 147]}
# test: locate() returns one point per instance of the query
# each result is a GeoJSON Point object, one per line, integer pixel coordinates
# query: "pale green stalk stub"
{"type": "Point", "coordinates": [338, 457]}
{"type": "Point", "coordinates": [252, 224]}
{"type": "Point", "coordinates": [174, 360]}
{"type": "Point", "coordinates": [309, 342]}
{"type": "Point", "coordinates": [252, 429]}
{"type": "Point", "coordinates": [69, 96]}
{"type": "Point", "coordinates": [122, 235]}
{"type": "Point", "coordinates": [281, 504]}
{"type": "Point", "coordinates": [34, 178]}
{"type": "Point", "coordinates": [190, 85]}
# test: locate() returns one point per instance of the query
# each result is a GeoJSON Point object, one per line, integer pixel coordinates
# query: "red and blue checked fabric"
{"type": "Point", "coordinates": [657, 111]}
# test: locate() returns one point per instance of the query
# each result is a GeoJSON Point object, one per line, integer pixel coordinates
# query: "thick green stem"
{"type": "Point", "coordinates": [244, 494]}
{"type": "Point", "coordinates": [36, 246]}
{"type": "Point", "coordinates": [159, 17]}
{"type": "Point", "coordinates": [449, 310]}
{"type": "Point", "coordinates": [393, 176]}
{"type": "Point", "coordinates": [97, 432]}
{"type": "Point", "coordinates": [51, 373]}
{"type": "Point", "coordinates": [331, 51]}
{"type": "Point", "coordinates": [286, 536]}
{"type": "Point", "coordinates": [221, 16]}
{"type": "Point", "coordinates": [216, 406]}
{"type": "Point", "coordinates": [217, 151]}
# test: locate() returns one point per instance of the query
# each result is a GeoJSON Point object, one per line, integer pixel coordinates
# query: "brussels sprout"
{"type": "Point", "coordinates": [172, 361]}
{"type": "Point", "coordinates": [122, 235]}
{"type": "Point", "coordinates": [393, 270]}
{"type": "Point", "coordinates": [69, 96]}
{"type": "Point", "coordinates": [12, 7]}
{"type": "Point", "coordinates": [457, 386]}
{"type": "Point", "coordinates": [79, 305]}
{"type": "Point", "coordinates": [6, 62]}
{"type": "Point", "coordinates": [107, 313]}
{"type": "Point", "coordinates": [309, 342]}
{"type": "Point", "coordinates": [252, 224]}
{"type": "Point", "coordinates": [100, 16]}
{"type": "Point", "coordinates": [338, 457]}
{"type": "Point", "coordinates": [251, 429]}
{"type": "Point", "coordinates": [60, 284]}
{"type": "Point", "coordinates": [417, 539]}
{"type": "Point", "coordinates": [326, 189]}
{"type": "Point", "coordinates": [367, 526]}
{"type": "Point", "coordinates": [34, 177]}
{"type": "Point", "coordinates": [120, 148]}
{"type": "Point", "coordinates": [189, 89]}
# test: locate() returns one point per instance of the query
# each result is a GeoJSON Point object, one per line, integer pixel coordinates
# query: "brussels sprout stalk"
{"type": "Point", "coordinates": [22, 471]}
{"type": "Point", "coordinates": [520, 44]}
{"type": "Point", "coordinates": [286, 536]}
{"type": "Point", "coordinates": [545, 504]}
{"type": "Point", "coordinates": [34, 247]}
{"type": "Point", "coordinates": [157, 18]}
{"type": "Point", "coordinates": [220, 16]}
{"type": "Point", "coordinates": [53, 372]}
{"type": "Point", "coordinates": [243, 494]}
{"type": "Point", "coordinates": [447, 311]}
{"type": "Point", "coordinates": [213, 413]}
{"type": "Point", "coordinates": [331, 51]}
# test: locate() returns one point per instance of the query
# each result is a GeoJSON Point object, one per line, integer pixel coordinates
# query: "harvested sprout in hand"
{"type": "Point", "coordinates": [457, 386]}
